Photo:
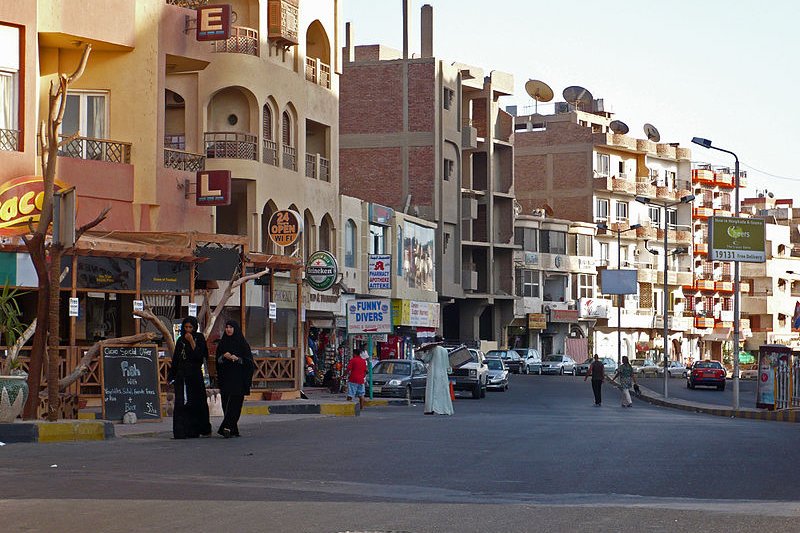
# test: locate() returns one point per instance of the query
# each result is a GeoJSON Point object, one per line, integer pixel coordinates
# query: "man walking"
{"type": "Point", "coordinates": [356, 373]}
{"type": "Point", "coordinates": [597, 373]}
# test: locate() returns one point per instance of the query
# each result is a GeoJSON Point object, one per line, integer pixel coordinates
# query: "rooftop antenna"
{"type": "Point", "coordinates": [539, 91]}
{"type": "Point", "coordinates": [577, 95]}
{"type": "Point", "coordinates": [619, 127]}
{"type": "Point", "coordinates": [652, 133]}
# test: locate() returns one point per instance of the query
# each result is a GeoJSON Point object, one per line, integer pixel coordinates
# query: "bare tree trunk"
{"type": "Point", "coordinates": [54, 337]}
{"type": "Point", "coordinates": [36, 249]}
{"type": "Point", "coordinates": [83, 366]}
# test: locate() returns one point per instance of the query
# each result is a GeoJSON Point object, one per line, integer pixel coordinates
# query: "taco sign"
{"type": "Point", "coordinates": [21, 201]}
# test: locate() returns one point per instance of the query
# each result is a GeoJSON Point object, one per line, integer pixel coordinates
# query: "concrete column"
{"type": "Point", "coordinates": [405, 29]}
{"type": "Point", "coordinates": [349, 43]}
{"type": "Point", "coordinates": [426, 31]}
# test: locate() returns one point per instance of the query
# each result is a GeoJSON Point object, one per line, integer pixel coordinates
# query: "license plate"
{"type": "Point", "coordinates": [377, 389]}
{"type": "Point", "coordinates": [708, 374]}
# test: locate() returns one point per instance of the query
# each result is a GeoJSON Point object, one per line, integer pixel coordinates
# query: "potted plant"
{"type": "Point", "coordinates": [13, 379]}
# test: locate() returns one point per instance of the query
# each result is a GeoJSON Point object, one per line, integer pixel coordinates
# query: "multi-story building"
{"type": "Point", "coordinates": [426, 136]}
{"type": "Point", "coordinates": [556, 286]}
{"type": "Point", "coordinates": [571, 163]}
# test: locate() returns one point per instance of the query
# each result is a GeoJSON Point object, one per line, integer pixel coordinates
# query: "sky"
{"type": "Point", "coordinates": [724, 70]}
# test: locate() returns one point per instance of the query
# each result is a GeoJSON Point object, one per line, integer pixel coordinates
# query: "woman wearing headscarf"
{"type": "Point", "coordinates": [234, 374]}
{"type": "Point", "coordinates": [190, 419]}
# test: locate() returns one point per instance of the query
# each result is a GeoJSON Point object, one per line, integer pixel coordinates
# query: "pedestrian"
{"type": "Point", "coordinates": [437, 387]}
{"type": "Point", "coordinates": [190, 418]}
{"type": "Point", "coordinates": [627, 379]}
{"type": "Point", "coordinates": [235, 373]}
{"type": "Point", "coordinates": [356, 373]}
{"type": "Point", "coordinates": [597, 373]}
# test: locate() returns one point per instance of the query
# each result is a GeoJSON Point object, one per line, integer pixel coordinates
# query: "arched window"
{"type": "Point", "coordinates": [286, 135]}
{"type": "Point", "coordinates": [350, 244]}
{"type": "Point", "coordinates": [326, 236]}
{"type": "Point", "coordinates": [267, 124]}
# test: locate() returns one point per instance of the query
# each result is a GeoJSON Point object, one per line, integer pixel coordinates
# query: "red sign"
{"type": "Point", "coordinates": [213, 187]}
{"type": "Point", "coordinates": [564, 315]}
{"type": "Point", "coordinates": [21, 202]}
{"type": "Point", "coordinates": [214, 22]}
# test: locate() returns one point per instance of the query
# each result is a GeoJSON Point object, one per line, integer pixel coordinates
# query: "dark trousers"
{"type": "Point", "coordinates": [597, 389]}
{"type": "Point", "coordinates": [232, 407]}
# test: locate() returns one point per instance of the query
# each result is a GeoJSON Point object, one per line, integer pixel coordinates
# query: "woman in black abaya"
{"type": "Point", "coordinates": [234, 373]}
{"type": "Point", "coordinates": [190, 419]}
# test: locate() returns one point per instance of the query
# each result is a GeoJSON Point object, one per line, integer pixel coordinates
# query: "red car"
{"type": "Point", "coordinates": [706, 373]}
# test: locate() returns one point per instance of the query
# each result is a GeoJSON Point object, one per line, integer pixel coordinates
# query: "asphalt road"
{"type": "Point", "coordinates": [677, 389]}
{"type": "Point", "coordinates": [539, 457]}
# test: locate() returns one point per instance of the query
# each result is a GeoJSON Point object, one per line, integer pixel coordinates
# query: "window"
{"type": "Point", "coordinates": [86, 113]}
{"type": "Point", "coordinates": [447, 97]}
{"type": "Point", "coordinates": [602, 164]}
{"type": "Point", "coordinates": [527, 283]}
{"type": "Point", "coordinates": [655, 215]}
{"type": "Point", "coordinates": [670, 178]}
{"type": "Point", "coordinates": [553, 242]}
{"type": "Point", "coordinates": [399, 251]}
{"type": "Point", "coordinates": [601, 209]}
{"type": "Point", "coordinates": [267, 124]}
{"type": "Point", "coordinates": [622, 211]}
{"type": "Point", "coordinates": [580, 245]}
{"type": "Point", "coordinates": [377, 236]}
{"type": "Point", "coordinates": [9, 88]}
{"type": "Point", "coordinates": [672, 218]}
{"type": "Point", "coordinates": [449, 169]}
{"type": "Point", "coordinates": [286, 133]}
{"type": "Point", "coordinates": [604, 252]}
{"type": "Point", "coordinates": [621, 169]}
{"type": "Point", "coordinates": [528, 238]}
{"type": "Point", "coordinates": [654, 177]}
{"type": "Point", "coordinates": [350, 244]}
{"type": "Point", "coordinates": [584, 286]}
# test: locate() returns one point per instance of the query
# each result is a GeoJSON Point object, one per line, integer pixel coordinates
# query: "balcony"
{"type": "Point", "coordinates": [283, 19]}
{"type": "Point", "coordinates": [724, 286]}
{"type": "Point", "coordinates": [665, 150]}
{"type": "Point", "coordinates": [703, 322]}
{"type": "Point", "coordinates": [684, 154]}
{"type": "Point", "coordinates": [645, 145]}
{"type": "Point", "coordinates": [230, 145]}
{"type": "Point", "coordinates": [289, 157]}
{"type": "Point", "coordinates": [242, 41]}
{"type": "Point", "coordinates": [623, 185]}
{"type": "Point", "coordinates": [182, 160]}
{"type": "Point", "coordinates": [176, 142]}
{"type": "Point", "coordinates": [96, 149]}
{"type": "Point", "coordinates": [9, 140]}
{"type": "Point", "coordinates": [324, 169]}
{"type": "Point", "coordinates": [646, 232]}
{"type": "Point", "coordinates": [684, 279]}
{"type": "Point", "coordinates": [665, 193]}
{"type": "Point", "coordinates": [311, 165]}
{"type": "Point", "coordinates": [318, 72]}
{"type": "Point", "coordinates": [704, 285]}
{"type": "Point", "coordinates": [645, 188]}
{"type": "Point", "coordinates": [702, 212]}
{"type": "Point", "coordinates": [722, 212]}
{"type": "Point", "coordinates": [269, 152]}
{"type": "Point", "coordinates": [724, 179]}
{"type": "Point", "coordinates": [701, 248]}
{"type": "Point", "coordinates": [703, 176]}
{"type": "Point", "coordinates": [682, 235]}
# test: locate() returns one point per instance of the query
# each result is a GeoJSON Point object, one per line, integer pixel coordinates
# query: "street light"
{"type": "Point", "coordinates": [647, 201]}
{"type": "Point", "coordinates": [706, 143]}
{"type": "Point", "coordinates": [619, 233]}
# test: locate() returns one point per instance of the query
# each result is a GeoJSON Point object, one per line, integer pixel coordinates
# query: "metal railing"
{"type": "Point", "coordinates": [181, 160]}
{"type": "Point", "coordinates": [269, 152]}
{"type": "Point", "coordinates": [176, 142]}
{"type": "Point", "coordinates": [324, 169]}
{"type": "Point", "coordinates": [311, 69]}
{"type": "Point", "coordinates": [311, 165]}
{"type": "Point", "coordinates": [324, 75]}
{"type": "Point", "coordinates": [289, 157]}
{"type": "Point", "coordinates": [230, 145]}
{"type": "Point", "coordinates": [242, 41]}
{"type": "Point", "coordinates": [9, 140]}
{"type": "Point", "coordinates": [318, 72]}
{"type": "Point", "coordinates": [96, 149]}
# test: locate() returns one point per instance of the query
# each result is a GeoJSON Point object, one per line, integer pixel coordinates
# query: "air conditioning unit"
{"type": "Point", "coordinates": [469, 280]}
{"type": "Point", "coordinates": [469, 208]}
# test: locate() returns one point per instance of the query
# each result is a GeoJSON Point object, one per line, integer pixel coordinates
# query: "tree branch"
{"type": "Point", "coordinates": [249, 277]}
{"type": "Point", "coordinates": [82, 65]}
{"type": "Point", "coordinates": [148, 315]}
{"type": "Point", "coordinates": [89, 225]}
{"type": "Point", "coordinates": [83, 366]}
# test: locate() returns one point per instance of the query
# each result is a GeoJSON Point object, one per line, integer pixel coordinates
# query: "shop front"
{"type": "Point", "coordinates": [413, 323]}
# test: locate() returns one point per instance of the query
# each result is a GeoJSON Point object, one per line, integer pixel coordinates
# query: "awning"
{"type": "Point", "coordinates": [518, 323]}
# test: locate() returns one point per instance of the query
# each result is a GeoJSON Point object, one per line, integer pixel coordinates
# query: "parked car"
{"type": "Point", "coordinates": [675, 369]}
{"type": "Point", "coordinates": [472, 376]}
{"type": "Point", "coordinates": [706, 373]}
{"type": "Point", "coordinates": [644, 367]}
{"type": "Point", "coordinates": [511, 358]}
{"type": "Point", "coordinates": [609, 365]}
{"type": "Point", "coordinates": [748, 371]}
{"type": "Point", "coordinates": [399, 378]}
{"type": "Point", "coordinates": [558, 364]}
{"type": "Point", "coordinates": [531, 360]}
{"type": "Point", "coordinates": [498, 374]}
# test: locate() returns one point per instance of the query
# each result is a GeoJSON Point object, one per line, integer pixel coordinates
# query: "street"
{"type": "Point", "coordinates": [539, 457]}
{"type": "Point", "coordinates": [678, 389]}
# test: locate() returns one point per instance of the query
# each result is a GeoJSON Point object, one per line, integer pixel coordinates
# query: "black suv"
{"type": "Point", "coordinates": [511, 358]}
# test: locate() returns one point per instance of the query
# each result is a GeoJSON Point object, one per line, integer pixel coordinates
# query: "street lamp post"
{"type": "Point", "coordinates": [665, 307]}
{"type": "Point", "coordinates": [706, 143]}
{"type": "Point", "coordinates": [619, 233]}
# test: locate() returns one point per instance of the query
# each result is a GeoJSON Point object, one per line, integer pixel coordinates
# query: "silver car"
{"type": "Point", "coordinates": [675, 369]}
{"type": "Point", "coordinates": [644, 367]}
{"type": "Point", "coordinates": [531, 360]}
{"type": "Point", "coordinates": [498, 375]}
{"type": "Point", "coordinates": [558, 364]}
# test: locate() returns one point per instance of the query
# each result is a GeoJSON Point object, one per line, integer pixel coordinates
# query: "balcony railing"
{"type": "Point", "coordinates": [269, 152]}
{"type": "Point", "coordinates": [181, 160]}
{"type": "Point", "coordinates": [176, 142]}
{"type": "Point", "coordinates": [324, 169]}
{"type": "Point", "coordinates": [96, 149]}
{"type": "Point", "coordinates": [289, 157]}
{"type": "Point", "coordinates": [230, 145]}
{"type": "Point", "coordinates": [9, 140]}
{"type": "Point", "coordinates": [325, 75]}
{"type": "Point", "coordinates": [311, 165]}
{"type": "Point", "coordinates": [318, 72]}
{"type": "Point", "coordinates": [242, 41]}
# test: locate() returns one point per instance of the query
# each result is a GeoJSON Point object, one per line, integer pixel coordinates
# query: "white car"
{"type": "Point", "coordinates": [675, 369]}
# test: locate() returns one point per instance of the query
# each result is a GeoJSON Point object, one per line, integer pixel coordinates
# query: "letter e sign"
{"type": "Point", "coordinates": [214, 22]}
{"type": "Point", "coordinates": [213, 187]}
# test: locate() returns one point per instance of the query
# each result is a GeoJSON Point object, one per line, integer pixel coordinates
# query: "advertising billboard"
{"type": "Point", "coordinates": [418, 256]}
{"type": "Point", "coordinates": [618, 282]}
{"type": "Point", "coordinates": [737, 239]}
{"type": "Point", "coordinates": [380, 272]}
{"type": "Point", "coordinates": [372, 315]}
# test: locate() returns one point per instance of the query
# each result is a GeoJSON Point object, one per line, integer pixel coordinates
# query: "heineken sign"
{"type": "Point", "coordinates": [737, 239]}
{"type": "Point", "coordinates": [321, 271]}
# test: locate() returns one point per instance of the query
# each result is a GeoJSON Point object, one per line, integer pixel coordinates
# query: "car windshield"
{"type": "Point", "coordinates": [638, 362]}
{"type": "Point", "coordinates": [555, 358]}
{"type": "Point", "coordinates": [498, 354]}
{"type": "Point", "coordinates": [588, 361]}
{"type": "Point", "coordinates": [608, 361]}
{"type": "Point", "coordinates": [708, 364]}
{"type": "Point", "coordinates": [494, 364]}
{"type": "Point", "coordinates": [402, 368]}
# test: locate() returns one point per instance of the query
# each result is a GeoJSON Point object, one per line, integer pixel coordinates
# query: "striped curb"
{"type": "Point", "coordinates": [62, 431]}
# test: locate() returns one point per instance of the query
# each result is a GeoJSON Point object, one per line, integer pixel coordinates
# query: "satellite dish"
{"type": "Point", "coordinates": [770, 195]}
{"type": "Point", "coordinates": [617, 126]}
{"type": "Point", "coordinates": [577, 95]}
{"type": "Point", "coordinates": [652, 133]}
{"type": "Point", "coordinates": [539, 91]}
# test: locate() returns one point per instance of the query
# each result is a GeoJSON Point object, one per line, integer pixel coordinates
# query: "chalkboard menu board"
{"type": "Point", "coordinates": [130, 382]}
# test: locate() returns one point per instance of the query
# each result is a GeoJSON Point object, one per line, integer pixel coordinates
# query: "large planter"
{"type": "Point", "coordinates": [13, 393]}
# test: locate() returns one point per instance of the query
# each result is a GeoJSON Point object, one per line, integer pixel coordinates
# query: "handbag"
{"type": "Point", "coordinates": [636, 388]}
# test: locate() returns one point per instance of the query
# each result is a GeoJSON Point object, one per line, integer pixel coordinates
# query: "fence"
{"type": "Point", "coordinates": [787, 383]}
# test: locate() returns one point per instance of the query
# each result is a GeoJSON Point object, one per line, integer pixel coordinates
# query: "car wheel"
{"type": "Point", "coordinates": [561, 372]}
{"type": "Point", "coordinates": [540, 371]}
{"type": "Point", "coordinates": [483, 391]}
{"type": "Point", "coordinates": [525, 370]}
{"type": "Point", "coordinates": [476, 391]}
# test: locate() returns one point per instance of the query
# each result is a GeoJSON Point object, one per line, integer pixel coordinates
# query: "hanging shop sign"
{"type": "Point", "coordinates": [537, 321]}
{"type": "Point", "coordinates": [564, 315]}
{"type": "Point", "coordinates": [737, 239]}
{"type": "Point", "coordinates": [416, 314]}
{"type": "Point", "coordinates": [213, 187]}
{"type": "Point", "coordinates": [380, 214]}
{"type": "Point", "coordinates": [594, 308]}
{"type": "Point", "coordinates": [213, 22]}
{"type": "Point", "coordinates": [21, 201]}
{"type": "Point", "coordinates": [380, 272]}
{"type": "Point", "coordinates": [321, 270]}
{"type": "Point", "coordinates": [107, 273]}
{"type": "Point", "coordinates": [285, 227]}
{"type": "Point", "coordinates": [372, 315]}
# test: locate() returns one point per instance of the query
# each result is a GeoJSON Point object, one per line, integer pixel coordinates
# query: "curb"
{"type": "Point", "coordinates": [62, 431]}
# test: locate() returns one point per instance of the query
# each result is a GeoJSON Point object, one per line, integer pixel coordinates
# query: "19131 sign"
{"type": "Point", "coordinates": [130, 382]}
